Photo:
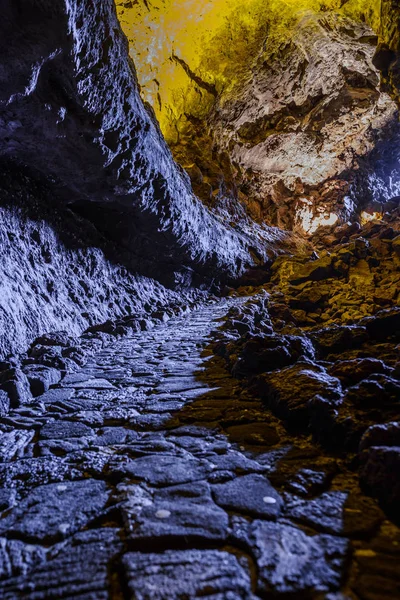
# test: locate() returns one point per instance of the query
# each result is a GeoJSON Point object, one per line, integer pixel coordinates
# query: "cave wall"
{"type": "Point", "coordinates": [56, 271]}
{"type": "Point", "coordinates": [307, 116]}
{"type": "Point", "coordinates": [173, 42]}
{"type": "Point", "coordinates": [273, 108]}
{"type": "Point", "coordinates": [72, 121]}
{"type": "Point", "coordinates": [70, 108]}
{"type": "Point", "coordinates": [387, 57]}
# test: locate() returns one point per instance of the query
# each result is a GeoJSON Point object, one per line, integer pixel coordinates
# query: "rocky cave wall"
{"type": "Point", "coordinates": [273, 108]}
{"type": "Point", "coordinates": [57, 272]}
{"type": "Point", "coordinates": [72, 121]}
{"type": "Point", "coordinates": [90, 184]}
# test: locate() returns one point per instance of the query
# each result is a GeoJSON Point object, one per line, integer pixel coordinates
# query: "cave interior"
{"type": "Point", "coordinates": [199, 299]}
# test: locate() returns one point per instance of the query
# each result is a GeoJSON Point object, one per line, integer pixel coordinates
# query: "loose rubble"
{"type": "Point", "coordinates": [320, 345]}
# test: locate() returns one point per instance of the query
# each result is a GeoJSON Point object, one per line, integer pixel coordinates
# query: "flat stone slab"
{"type": "Point", "coordinates": [59, 430]}
{"type": "Point", "coordinates": [53, 512]}
{"type": "Point", "coordinates": [175, 575]}
{"type": "Point", "coordinates": [91, 384]}
{"type": "Point", "coordinates": [164, 470]}
{"type": "Point", "coordinates": [77, 569]}
{"type": "Point", "coordinates": [251, 494]}
{"type": "Point", "coordinates": [338, 513]}
{"type": "Point", "coordinates": [290, 562]}
{"type": "Point", "coordinates": [165, 522]}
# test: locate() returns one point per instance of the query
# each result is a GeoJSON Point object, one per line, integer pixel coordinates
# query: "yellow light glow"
{"type": "Point", "coordinates": [368, 217]}
{"type": "Point", "coordinates": [217, 39]}
{"type": "Point", "coordinates": [309, 222]}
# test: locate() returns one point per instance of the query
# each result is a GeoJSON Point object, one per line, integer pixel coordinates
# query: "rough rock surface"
{"type": "Point", "coordinates": [307, 137]}
{"type": "Point", "coordinates": [58, 273]}
{"type": "Point", "coordinates": [103, 204]}
{"type": "Point", "coordinates": [319, 345]}
{"type": "Point", "coordinates": [136, 477]}
{"type": "Point", "coordinates": [70, 108]}
{"type": "Point", "coordinates": [387, 56]}
{"type": "Point", "coordinates": [245, 450]}
{"type": "Point", "coordinates": [307, 112]}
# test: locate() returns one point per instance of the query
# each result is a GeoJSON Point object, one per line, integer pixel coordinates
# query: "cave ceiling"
{"type": "Point", "coordinates": [213, 40]}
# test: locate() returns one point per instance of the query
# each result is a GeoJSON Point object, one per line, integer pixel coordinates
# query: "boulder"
{"type": "Point", "coordinates": [379, 475]}
{"type": "Point", "coordinates": [41, 378]}
{"type": "Point", "coordinates": [15, 383]}
{"type": "Point", "coordinates": [351, 372]}
{"type": "Point", "coordinates": [289, 391]}
{"type": "Point", "coordinates": [384, 434]}
{"type": "Point", "coordinates": [339, 338]}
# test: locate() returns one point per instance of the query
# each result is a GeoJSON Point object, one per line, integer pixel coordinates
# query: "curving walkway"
{"type": "Point", "coordinates": [149, 474]}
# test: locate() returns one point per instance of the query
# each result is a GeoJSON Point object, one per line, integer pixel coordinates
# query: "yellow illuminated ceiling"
{"type": "Point", "coordinates": [215, 41]}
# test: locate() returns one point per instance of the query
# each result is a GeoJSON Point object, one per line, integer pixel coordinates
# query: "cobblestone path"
{"type": "Point", "coordinates": [149, 474]}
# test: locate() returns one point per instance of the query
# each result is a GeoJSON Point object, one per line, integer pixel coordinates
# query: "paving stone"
{"type": "Point", "coordinates": [53, 512]}
{"type": "Point", "coordinates": [162, 523]}
{"type": "Point", "coordinates": [339, 513]}
{"type": "Point", "coordinates": [56, 395]}
{"type": "Point", "coordinates": [91, 384]}
{"type": "Point", "coordinates": [175, 575]}
{"type": "Point", "coordinates": [79, 569]}
{"type": "Point", "coordinates": [13, 443]}
{"type": "Point", "coordinates": [291, 562]}
{"type": "Point", "coordinates": [176, 463]}
{"type": "Point", "coordinates": [65, 429]}
{"type": "Point", "coordinates": [165, 470]}
{"type": "Point", "coordinates": [251, 494]}
{"type": "Point", "coordinates": [18, 558]}
{"type": "Point", "coordinates": [7, 498]}
{"type": "Point", "coordinates": [4, 403]}
{"type": "Point", "coordinates": [30, 472]}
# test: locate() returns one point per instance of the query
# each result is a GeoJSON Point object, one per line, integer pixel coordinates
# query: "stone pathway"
{"type": "Point", "coordinates": [150, 474]}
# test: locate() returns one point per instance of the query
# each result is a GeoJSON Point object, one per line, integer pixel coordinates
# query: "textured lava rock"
{"type": "Point", "coordinates": [251, 494]}
{"type": "Point", "coordinates": [291, 562]}
{"type": "Point", "coordinates": [17, 558]}
{"type": "Point", "coordinates": [164, 470]}
{"type": "Point", "coordinates": [308, 107]}
{"type": "Point", "coordinates": [168, 522]}
{"type": "Point", "coordinates": [351, 372]}
{"type": "Point", "coordinates": [79, 84]}
{"type": "Point", "coordinates": [76, 569]}
{"type": "Point", "coordinates": [338, 339]}
{"type": "Point", "coordinates": [387, 434]}
{"type": "Point", "coordinates": [379, 474]}
{"type": "Point", "coordinates": [64, 275]}
{"type": "Point", "coordinates": [55, 511]}
{"type": "Point", "coordinates": [387, 55]}
{"type": "Point", "coordinates": [289, 391]}
{"type": "Point", "coordinates": [71, 117]}
{"type": "Point", "coordinates": [4, 403]}
{"type": "Point", "coordinates": [15, 383]}
{"type": "Point", "coordinates": [339, 514]}
{"type": "Point", "coordinates": [190, 574]}
{"type": "Point", "coordinates": [41, 378]}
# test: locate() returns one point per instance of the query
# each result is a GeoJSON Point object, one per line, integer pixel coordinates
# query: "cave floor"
{"type": "Point", "coordinates": [151, 474]}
